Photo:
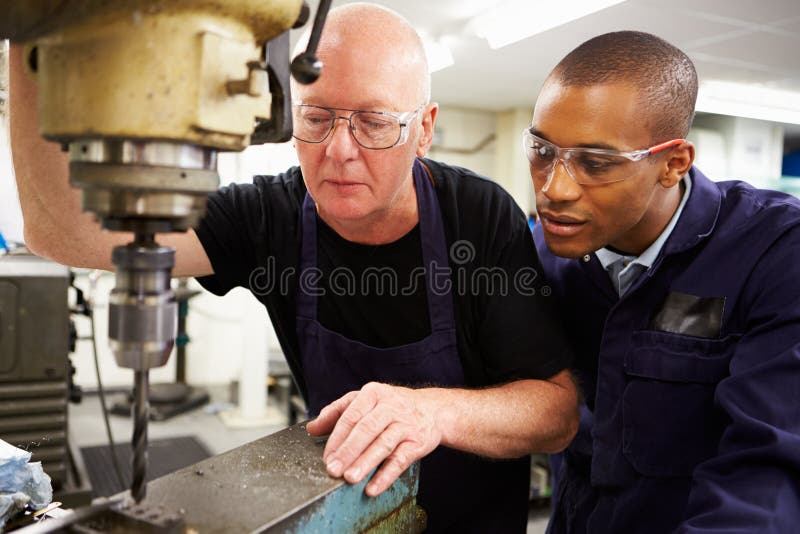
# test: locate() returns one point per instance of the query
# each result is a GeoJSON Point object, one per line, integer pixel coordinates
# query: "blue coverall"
{"type": "Point", "coordinates": [691, 379]}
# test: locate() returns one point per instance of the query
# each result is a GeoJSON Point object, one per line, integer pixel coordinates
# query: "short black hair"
{"type": "Point", "coordinates": [664, 74]}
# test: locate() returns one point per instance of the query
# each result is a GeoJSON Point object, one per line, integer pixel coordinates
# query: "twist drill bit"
{"type": "Point", "coordinates": [140, 415]}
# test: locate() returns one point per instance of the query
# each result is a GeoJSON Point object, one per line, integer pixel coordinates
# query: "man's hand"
{"type": "Point", "coordinates": [380, 422]}
{"type": "Point", "coordinates": [400, 425]}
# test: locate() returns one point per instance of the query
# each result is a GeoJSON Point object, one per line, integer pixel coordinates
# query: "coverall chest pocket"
{"type": "Point", "coordinates": [670, 419]}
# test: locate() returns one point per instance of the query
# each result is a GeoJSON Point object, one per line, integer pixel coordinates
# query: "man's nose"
{"type": "Point", "coordinates": [560, 185]}
{"type": "Point", "coordinates": [341, 144]}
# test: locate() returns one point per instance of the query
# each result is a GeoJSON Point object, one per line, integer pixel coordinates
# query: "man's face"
{"type": "Point", "coordinates": [349, 182]}
{"type": "Point", "coordinates": [579, 219]}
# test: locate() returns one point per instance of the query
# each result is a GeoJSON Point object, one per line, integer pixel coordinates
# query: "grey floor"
{"type": "Point", "coordinates": [87, 429]}
{"type": "Point", "coordinates": [86, 425]}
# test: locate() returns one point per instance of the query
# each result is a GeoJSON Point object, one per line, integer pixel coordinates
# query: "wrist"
{"type": "Point", "coordinates": [440, 405]}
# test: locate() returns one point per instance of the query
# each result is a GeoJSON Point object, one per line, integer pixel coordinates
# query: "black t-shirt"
{"type": "Point", "coordinates": [373, 293]}
{"type": "Point", "coordinates": [506, 322]}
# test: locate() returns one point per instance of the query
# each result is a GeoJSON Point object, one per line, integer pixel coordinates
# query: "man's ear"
{"type": "Point", "coordinates": [429, 113]}
{"type": "Point", "coordinates": [678, 163]}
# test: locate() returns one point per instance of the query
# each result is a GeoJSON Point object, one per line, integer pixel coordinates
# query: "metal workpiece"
{"type": "Point", "coordinates": [274, 485]}
{"type": "Point", "coordinates": [119, 514]}
{"type": "Point", "coordinates": [129, 516]}
{"type": "Point", "coordinates": [278, 484]}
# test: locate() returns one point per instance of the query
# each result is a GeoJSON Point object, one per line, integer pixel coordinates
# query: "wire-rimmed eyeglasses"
{"type": "Point", "coordinates": [374, 130]}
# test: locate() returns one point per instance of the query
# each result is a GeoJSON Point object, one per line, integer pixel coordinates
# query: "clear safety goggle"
{"type": "Point", "coordinates": [587, 166]}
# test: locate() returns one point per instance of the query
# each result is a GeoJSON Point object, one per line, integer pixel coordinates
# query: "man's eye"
{"type": "Point", "coordinates": [317, 119]}
{"type": "Point", "coordinates": [597, 165]}
{"type": "Point", "coordinates": [373, 124]}
{"type": "Point", "coordinates": [543, 152]}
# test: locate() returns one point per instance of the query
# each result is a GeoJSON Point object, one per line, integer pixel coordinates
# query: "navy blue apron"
{"type": "Point", "coordinates": [456, 489]}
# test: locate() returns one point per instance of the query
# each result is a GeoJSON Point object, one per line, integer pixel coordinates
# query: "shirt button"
{"type": "Point", "coordinates": [587, 258]}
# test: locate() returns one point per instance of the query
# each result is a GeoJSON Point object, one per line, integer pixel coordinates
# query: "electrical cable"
{"type": "Point", "coordinates": [102, 395]}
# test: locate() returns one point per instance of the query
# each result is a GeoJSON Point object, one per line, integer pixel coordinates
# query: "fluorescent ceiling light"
{"type": "Point", "coordinates": [438, 54]}
{"type": "Point", "coordinates": [510, 21]}
{"type": "Point", "coordinates": [752, 101]}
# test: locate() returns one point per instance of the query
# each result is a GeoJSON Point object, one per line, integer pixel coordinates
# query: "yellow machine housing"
{"type": "Point", "coordinates": [175, 81]}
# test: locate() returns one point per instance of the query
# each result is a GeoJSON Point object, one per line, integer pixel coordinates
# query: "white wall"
{"type": "Point", "coordinates": [738, 148]}
{"type": "Point", "coordinates": [459, 131]}
{"type": "Point", "coordinates": [511, 165]}
{"type": "Point", "coordinates": [10, 214]}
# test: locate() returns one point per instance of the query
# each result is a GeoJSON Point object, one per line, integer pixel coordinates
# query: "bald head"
{"type": "Point", "coordinates": [663, 75]}
{"type": "Point", "coordinates": [372, 35]}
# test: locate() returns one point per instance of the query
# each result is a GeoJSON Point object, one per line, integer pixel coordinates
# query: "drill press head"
{"type": "Point", "coordinates": [144, 94]}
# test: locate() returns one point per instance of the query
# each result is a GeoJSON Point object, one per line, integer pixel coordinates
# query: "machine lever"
{"type": "Point", "coordinates": [307, 67]}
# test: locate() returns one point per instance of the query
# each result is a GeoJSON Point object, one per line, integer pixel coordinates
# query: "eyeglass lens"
{"type": "Point", "coordinates": [370, 130]}
{"type": "Point", "coordinates": [585, 166]}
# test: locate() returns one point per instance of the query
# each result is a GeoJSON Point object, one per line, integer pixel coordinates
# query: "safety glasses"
{"type": "Point", "coordinates": [587, 166]}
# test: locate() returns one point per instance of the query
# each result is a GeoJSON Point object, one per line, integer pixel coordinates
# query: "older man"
{"type": "Point", "coordinates": [442, 366]}
{"type": "Point", "coordinates": [681, 296]}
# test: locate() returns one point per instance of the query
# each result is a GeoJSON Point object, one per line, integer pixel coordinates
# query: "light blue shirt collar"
{"type": "Point", "coordinates": [624, 270]}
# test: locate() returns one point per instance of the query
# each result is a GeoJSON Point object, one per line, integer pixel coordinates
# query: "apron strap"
{"type": "Point", "coordinates": [434, 251]}
{"type": "Point", "coordinates": [308, 277]}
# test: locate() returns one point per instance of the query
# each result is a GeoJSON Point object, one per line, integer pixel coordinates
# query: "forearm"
{"type": "Point", "coordinates": [54, 223]}
{"type": "Point", "coordinates": [507, 421]}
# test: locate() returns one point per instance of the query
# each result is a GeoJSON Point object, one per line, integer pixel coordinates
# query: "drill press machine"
{"type": "Point", "coordinates": [143, 94]}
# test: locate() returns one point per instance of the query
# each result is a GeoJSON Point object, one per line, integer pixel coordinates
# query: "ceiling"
{"type": "Point", "coordinates": [730, 40]}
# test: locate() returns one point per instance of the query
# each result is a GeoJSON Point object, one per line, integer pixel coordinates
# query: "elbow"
{"type": "Point", "coordinates": [41, 244]}
{"type": "Point", "coordinates": [566, 431]}
{"type": "Point", "coordinates": [561, 431]}
{"type": "Point", "coordinates": [565, 418]}
{"type": "Point", "coordinates": [32, 241]}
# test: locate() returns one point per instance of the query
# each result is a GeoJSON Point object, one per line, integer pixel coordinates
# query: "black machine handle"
{"type": "Point", "coordinates": [307, 67]}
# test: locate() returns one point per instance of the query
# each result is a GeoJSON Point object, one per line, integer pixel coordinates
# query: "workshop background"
{"type": "Point", "coordinates": [490, 59]}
